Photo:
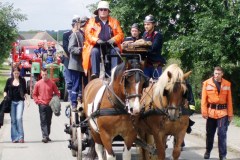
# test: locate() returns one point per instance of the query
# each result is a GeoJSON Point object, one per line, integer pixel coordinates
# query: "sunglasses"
{"type": "Point", "coordinates": [103, 9]}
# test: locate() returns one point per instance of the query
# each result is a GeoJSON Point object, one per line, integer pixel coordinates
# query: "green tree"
{"type": "Point", "coordinates": [9, 18]}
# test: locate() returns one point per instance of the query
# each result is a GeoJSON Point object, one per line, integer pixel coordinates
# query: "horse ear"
{"type": "Point", "coordinates": [127, 65]}
{"type": "Point", "coordinates": [186, 75]}
{"type": "Point", "coordinates": [169, 75]}
{"type": "Point", "coordinates": [142, 65]}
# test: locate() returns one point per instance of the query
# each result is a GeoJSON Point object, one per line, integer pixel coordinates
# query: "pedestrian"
{"type": "Point", "coordinates": [16, 91]}
{"type": "Point", "coordinates": [103, 36]}
{"type": "Point", "coordinates": [135, 33]}
{"type": "Point", "coordinates": [154, 60]}
{"type": "Point", "coordinates": [75, 48]}
{"type": "Point", "coordinates": [217, 109]}
{"type": "Point", "coordinates": [42, 95]}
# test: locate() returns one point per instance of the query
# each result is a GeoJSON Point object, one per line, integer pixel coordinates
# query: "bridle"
{"type": "Point", "coordinates": [138, 74]}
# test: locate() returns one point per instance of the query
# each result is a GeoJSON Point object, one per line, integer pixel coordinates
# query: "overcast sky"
{"type": "Point", "coordinates": [50, 14]}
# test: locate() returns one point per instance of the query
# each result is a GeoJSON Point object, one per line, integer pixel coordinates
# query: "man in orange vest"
{"type": "Point", "coordinates": [216, 107]}
{"type": "Point", "coordinates": [102, 32]}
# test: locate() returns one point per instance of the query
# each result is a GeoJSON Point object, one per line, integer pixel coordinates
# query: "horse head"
{"type": "Point", "coordinates": [128, 82]}
{"type": "Point", "coordinates": [172, 90]}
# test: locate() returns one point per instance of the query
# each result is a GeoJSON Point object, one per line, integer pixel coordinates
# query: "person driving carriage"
{"type": "Point", "coordinates": [99, 30]}
{"type": "Point", "coordinates": [154, 60]}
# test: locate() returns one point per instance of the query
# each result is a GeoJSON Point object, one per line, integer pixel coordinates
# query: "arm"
{"type": "Point", "coordinates": [229, 104]}
{"type": "Point", "coordinates": [73, 47]}
{"type": "Point", "coordinates": [65, 42]}
{"type": "Point", "coordinates": [156, 44]}
{"type": "Point", "coordinates": [89, 32]}
{"type": "Point", "coordinates": [204, 103]}
{"type": "Point", "coordinates": [117, 32]}
{"type": "Point", "coordinates": [6, 88]}
{"type": "Point", "coordinates": [35, 94]}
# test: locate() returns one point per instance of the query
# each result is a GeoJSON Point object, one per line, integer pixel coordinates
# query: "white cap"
{"type": "Point", "coordinates": [102, 4]}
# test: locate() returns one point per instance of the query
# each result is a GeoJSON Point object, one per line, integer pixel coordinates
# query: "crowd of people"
{"type": "Point", "coordinates": [86, 46]}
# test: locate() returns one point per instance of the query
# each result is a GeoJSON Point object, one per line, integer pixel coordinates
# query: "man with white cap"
{"type": "Point", "coordinates": [102, 32]}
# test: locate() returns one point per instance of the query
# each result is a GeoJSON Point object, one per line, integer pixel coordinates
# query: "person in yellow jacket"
{"type": "Point", "coordinates": [103, 34]}
{"type": "Point", "coordinates": [217, 109]}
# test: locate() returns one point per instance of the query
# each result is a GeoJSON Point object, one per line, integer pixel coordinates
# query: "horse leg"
{"type": "Point", "coordinates": [107, 143]}
{"type": "Point", "coordinates": [126, 153]}
{"type": "Point", "coordinates": [160, 141]}
{"type": "Point", "coordinates": [99, 150]}
{"type": "Point", "coordinates": [177, 147]}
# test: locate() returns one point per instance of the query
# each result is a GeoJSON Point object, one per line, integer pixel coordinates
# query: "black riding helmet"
{"type": "Point", "coordinates": [149, 18]}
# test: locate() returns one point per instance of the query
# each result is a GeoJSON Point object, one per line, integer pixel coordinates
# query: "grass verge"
{"type": "Point", "coordinates": [236, 121]}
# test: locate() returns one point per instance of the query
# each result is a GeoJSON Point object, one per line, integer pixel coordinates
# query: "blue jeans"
{"type": "Point", "coordinates": [96, 60]}
{"type": "Point", "coordinates": [75, 77]}
{"type": "Point", "coordinates": [16, 120]}
{"type": "Point", "coordinates": [68, 81]}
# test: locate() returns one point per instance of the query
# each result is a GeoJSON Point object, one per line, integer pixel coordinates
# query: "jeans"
{"type": "Point", "coordinates": [45, 119]}
{"type": "Point", "coordinates": [68, 81]}
{"type": "Point", "coordinates": [17, 132]}
{"type": "Point", "coordinates": [75, 77]}
{"type": "Point", "coordinates": [222, 125]}
{"type": "Point", "coordinates": [96, 59]}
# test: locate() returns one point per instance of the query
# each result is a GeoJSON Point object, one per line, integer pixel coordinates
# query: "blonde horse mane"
{"type": "Point", "coordinates": [164, 80]}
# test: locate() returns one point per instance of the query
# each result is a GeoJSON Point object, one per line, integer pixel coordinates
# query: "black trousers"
{"type": "Point", "coordinates": [45, 112]}
{"type": "Point", "coordinates": [221, 125]}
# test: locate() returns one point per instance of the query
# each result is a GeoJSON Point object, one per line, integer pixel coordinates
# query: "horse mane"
{"type": "Point", "coordinates": [177, 76]}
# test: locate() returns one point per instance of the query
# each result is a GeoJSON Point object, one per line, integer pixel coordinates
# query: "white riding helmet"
{"type": "Point", "coordinates": [102, 4]}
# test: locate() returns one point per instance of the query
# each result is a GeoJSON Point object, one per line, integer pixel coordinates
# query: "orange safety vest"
{"type": "Point", "coordinates": [91, 36]}
{"type": "Point", "coordinates": [210, 95]}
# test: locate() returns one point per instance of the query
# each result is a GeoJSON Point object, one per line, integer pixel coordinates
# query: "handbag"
{"type": "Point", "coordinates": [6, 104]}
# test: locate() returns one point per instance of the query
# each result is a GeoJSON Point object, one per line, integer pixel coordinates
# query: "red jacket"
{"type": "Point", "coordinates": [91, 36]}
{"type": "Point", "coordinates": [44, 90]}
{"type": "Point", "coordinates": [210, 96]}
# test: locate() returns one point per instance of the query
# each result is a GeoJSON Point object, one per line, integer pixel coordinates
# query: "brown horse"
{"type": "Point", "coordinates": [108, 107]}
{"type": "Point", "coordinates": [163, 103]}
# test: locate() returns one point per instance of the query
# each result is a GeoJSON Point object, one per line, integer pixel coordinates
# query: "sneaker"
{"type": "Point", "coordinates": [21, 141]}
{"type": "Point", "coordinates": [49, 139]}
{"type": "Point", "coordinates": [15, 141]}
{"type": "Point", "coordinates": [206, 155]}
{"type": "Point", "coordinates": [45, 140]}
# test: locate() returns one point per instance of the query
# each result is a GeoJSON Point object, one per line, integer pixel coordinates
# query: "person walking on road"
{"type": "Point", "coordinates": [16, 91]}
{"type": "Point", "coordinates": [42, 95]}
{"type": "Point", "coordinates": [217, 109]}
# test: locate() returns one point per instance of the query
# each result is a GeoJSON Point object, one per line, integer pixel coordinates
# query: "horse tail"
{"type": "Point", "coordinates": [91, 152]}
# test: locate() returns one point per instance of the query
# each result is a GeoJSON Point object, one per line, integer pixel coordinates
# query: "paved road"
{"type": "Point", "coordinates": [34, 149]}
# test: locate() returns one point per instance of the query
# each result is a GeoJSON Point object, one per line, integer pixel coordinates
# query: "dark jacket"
{"type": "Point", "coordinates": [22, 88]}
{"type": "Point", "coordinates": [155, 51]}
{"type": "Point", "coordinates": [131, 39]}
{"type": "Point", "coordinates": [66, 36]}
{"type": "Point", "coordinates": [5, 107]}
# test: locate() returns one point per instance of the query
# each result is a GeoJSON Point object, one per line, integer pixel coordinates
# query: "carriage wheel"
{"type": "Point", "coordinates": [79, 142]}
{"type": "Point", "coordinates": [74, 133]}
